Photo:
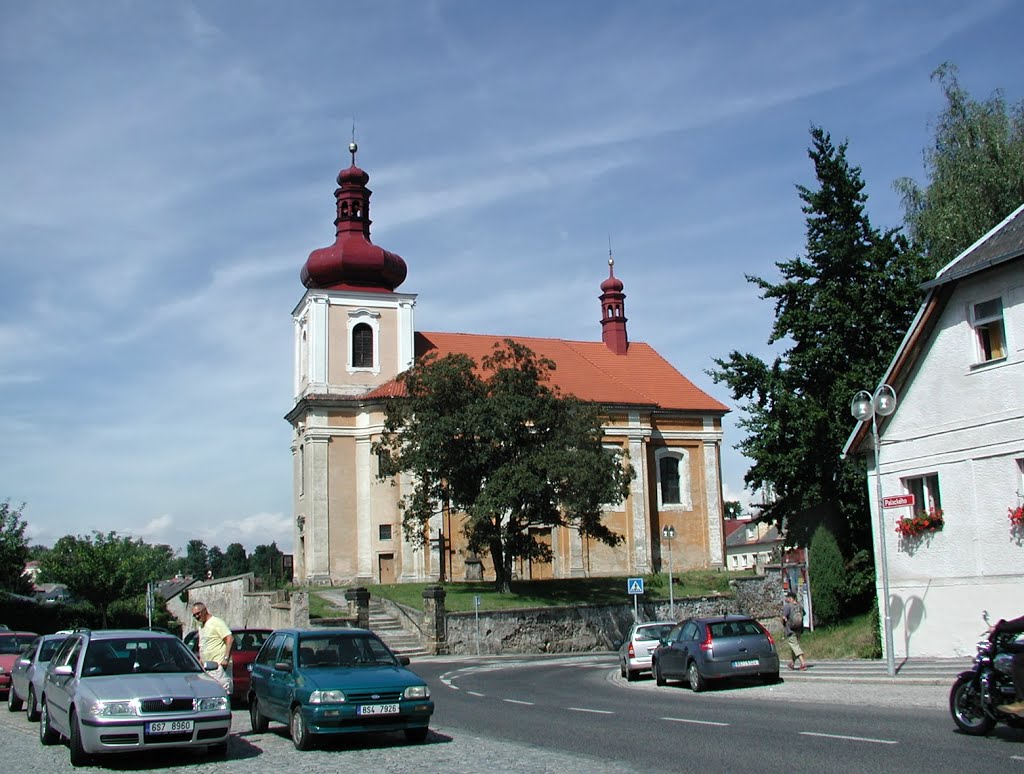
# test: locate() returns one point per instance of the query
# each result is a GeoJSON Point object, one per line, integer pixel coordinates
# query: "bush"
{"type": "Point", "coordinates": [829, 587]}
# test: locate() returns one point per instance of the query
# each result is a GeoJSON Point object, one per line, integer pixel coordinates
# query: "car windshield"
{"type": "Point", "coordinates": [735, 629]}
{"type": "Point", "coordinates": [14, 643]}
{"type": "Point", "coordinates": [135, 655]}
{"type": "Point", "coordinates": [49, 647]}
{"type": "Point", "coordinates": [344, 650]}
{"type": "Point", "coordinates": [658, 632]}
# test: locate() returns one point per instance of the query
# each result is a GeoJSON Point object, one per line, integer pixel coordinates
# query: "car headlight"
{"type": "Point", "coordinates": [417, 692]}
{"type": "Point", "coordinates": [2, 670]}
{"type": "Point", "coordinates": [213, 703]}
{"type": "Point", "coordinates": [111, 709]}
{"type": "Point", "coordinates": [326, 697]}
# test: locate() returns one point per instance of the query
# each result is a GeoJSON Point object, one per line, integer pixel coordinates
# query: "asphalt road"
{"type": "Point", "coordinates": [575, 714]}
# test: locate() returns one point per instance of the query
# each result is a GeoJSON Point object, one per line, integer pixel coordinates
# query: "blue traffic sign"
{"type": "Point", "coordinates": [635, 585]}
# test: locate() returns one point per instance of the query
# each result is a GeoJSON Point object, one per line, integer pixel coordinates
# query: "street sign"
{"type": "Point", "coordinates": [635, 585]}
{"type": "Point", "coordinates": [898, 501]}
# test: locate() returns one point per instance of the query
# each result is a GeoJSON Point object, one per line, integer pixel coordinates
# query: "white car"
{"type": "Point", "coordinates": [129, 690]}
{"type": "Point", "coordinates": [635, 652]}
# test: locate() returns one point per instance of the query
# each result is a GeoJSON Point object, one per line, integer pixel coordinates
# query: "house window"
{"type": "Point", "coordinates": [673, 469]}
{"type": "Point", "coordinates": [926, 492]}
{"type": "Point", "coordinates": [362, 346]}
{"type": "Point", "coordinates": [384, 532]}
{"type": "Point", "coordinates": [987, 321]}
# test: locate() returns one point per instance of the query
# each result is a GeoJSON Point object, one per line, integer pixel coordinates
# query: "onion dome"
{"type": "Point", "coordinates": [613, 312]}
{"type": "Point", "coordinates": [613, 284]}
{"type": "Point", "coordinates": [353, 262]}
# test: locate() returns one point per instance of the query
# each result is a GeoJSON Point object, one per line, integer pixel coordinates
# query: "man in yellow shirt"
{"type": "Point", "coordinates": [215, 641]}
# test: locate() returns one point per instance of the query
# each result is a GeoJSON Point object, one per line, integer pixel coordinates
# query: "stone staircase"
{"type": "Point", "coordinates": [387, 625]}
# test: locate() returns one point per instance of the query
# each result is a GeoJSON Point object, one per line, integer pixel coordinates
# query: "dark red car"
{"type": "Point", "coordinates": [12, 646]}
{"type": "Point", "coordinates": [247, 643]}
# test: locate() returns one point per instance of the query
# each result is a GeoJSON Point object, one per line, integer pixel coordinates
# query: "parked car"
{"type": "Point", "coordinates": [125, 690]}
{"type": "Point", "coordinates": [247, 643]}
{"type": "Point", "coordinates": [635, 652]}
{"type": "Point", "coordinates": [12, 646]}
{"type": "Point", "coordinates": [336, 681]}
{"type": "Point", "coordinates": [702, 649]}
{"type": "Point", "coordinates": [29, 670]}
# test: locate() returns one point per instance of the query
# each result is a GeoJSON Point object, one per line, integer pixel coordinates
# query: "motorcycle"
{"type": "Point", "coordinates": [977, 693]}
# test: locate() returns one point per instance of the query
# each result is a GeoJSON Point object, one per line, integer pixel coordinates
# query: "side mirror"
{"type": "Point", "coordinates": [63, 670]}
{"type": "Point", "coordinates": [210, 666]}
{"type": "Point", "coordinates": [283, 666]}
{"type": "Point", "coordinates": [24, 661]}
{"type": "Point", "coordinates": [403, 660]}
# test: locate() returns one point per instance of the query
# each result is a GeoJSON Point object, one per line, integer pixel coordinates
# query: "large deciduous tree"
{"type": "Point", "coordinates": [975, 169]}
{"type": "Point", "coordinates": [196, 561]}
{"type": "Point", "coordinates": [267, 564]}
{"type": "Point", "coordinates": [235, 560]}
{"type": "Point", "coordinates": [104, 568]}
{"type": "Point", "coordinates": [14, 549]}
{"type": "Point", "coordinates": [501, 446]}
{"type": "Point", "coordinates": [840, 311]}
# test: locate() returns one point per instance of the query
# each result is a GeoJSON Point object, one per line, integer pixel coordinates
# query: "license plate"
{"type": "Point", "coordinates": [169, 726]}
{"type": "Point", "coordinates": [748, 662]}
{"type": "Point", "coordinates": [377, 709]}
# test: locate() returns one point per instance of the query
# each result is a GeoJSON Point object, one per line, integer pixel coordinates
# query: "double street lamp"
{"type": "Point", "coordinates": [867, 406]}
{"type": "Point", "coordinates": [668, 534]}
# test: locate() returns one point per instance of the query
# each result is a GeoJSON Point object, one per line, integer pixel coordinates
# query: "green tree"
{"type": "Point", "coordinates": [14, 550]}
{"type": "Point", "coordinates": [501, 446]}
{"type": "Point", "coordinates": [829, 583]}
{"type": "Point", "coordinates": [267, 564]}
{"type": "Point", "coordinates": [196, 561]}
{"type": "Point", "coordinates": [733, 509]}
{"type": "Point", "coordinates": [841, 311]}
{"type": "Point", "coordinates": [104, 568]}
{"type": "Point", "coordinates": [975, 171]}
{"type": "Point", "coordinates": [215, 557]}
{"type": "Point", "coordinates": [235, 560]}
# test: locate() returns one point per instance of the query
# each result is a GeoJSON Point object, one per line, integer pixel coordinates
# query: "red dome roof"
{"type": "Point", "coordinates": [353, 262]}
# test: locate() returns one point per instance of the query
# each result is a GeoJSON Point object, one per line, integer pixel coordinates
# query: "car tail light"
{"type": "Point", "coordinates": [706, 645]}
{"type": "Point", "coordinates": [630, 651]}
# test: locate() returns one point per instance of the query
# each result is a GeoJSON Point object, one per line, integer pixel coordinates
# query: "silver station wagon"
{"type": "Point", "coordinates": [116, 691]}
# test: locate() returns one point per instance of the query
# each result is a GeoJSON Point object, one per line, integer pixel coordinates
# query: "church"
{"type": "Point", "coordinates": [355, 333]}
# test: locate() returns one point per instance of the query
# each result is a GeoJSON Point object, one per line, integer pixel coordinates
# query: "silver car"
{"type": "Point", "coordinates": [29, 671]}
{"type": "Point", "coordinates": [128, 690]}
{"type": "Point", "coordinates": [635, 652]}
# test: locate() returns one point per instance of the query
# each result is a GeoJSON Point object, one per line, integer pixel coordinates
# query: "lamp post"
{"type": "Point", "coordinates": [668, 534]}
{"type": "Point", "coordinates": [866, 406]}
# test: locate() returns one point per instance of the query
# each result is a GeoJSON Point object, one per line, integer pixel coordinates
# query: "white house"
{"type": "Point", "coordinates": [956, 443]}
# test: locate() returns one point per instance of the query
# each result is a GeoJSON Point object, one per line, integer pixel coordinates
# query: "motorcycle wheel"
{"type": "Point", "coordinates": [965, 707]}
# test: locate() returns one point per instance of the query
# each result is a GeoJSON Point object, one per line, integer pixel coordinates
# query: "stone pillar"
{"type": "Point", "coordinates": [358, 599]}
{"type": "Point", "coordinates": [300, 610]}
{"type": "Point", "coordinates": [434, 620]}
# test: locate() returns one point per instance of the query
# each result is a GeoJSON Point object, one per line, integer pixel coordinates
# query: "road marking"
{"type": "Point", "coordinates": [516, 701]}
{"type": "Point", "coordinates": [474, 693]}
{"type": "Point", "coordinates": [850, 738]}
{"type": "Point", "coordinates": [1017, 757]}
{"type": "Point", "coordinates": [594, 711]}
{"type": "Point", "coordinates": [696, 722]}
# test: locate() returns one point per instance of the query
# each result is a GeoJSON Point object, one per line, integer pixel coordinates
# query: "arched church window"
{"type": "Point", "coordinates": [362, 346]}
{"type": "Point", "coordinates": [673, 469]}
{"type": "Point", "coordinates": [669, 479]}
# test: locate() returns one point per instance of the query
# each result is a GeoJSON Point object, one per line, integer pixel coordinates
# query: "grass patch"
{"type": "Point", "coordinates": [856, 637]}
{"type": "Point", "coordinates": [459, 597]}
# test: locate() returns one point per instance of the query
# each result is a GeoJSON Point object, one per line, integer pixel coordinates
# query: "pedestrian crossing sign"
{"type": "Point", "coordinates": [635, 585]}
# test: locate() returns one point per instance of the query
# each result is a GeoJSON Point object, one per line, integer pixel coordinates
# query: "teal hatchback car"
{"type": "Point", "coordinates": [335, 681]}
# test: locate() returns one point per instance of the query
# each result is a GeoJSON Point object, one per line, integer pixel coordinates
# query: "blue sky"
{"type": "Point", "coordinates": [168, 167]}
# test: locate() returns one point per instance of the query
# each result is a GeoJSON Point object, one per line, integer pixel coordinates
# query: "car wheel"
{"type": "Point", "coordinates": [301, 736]}
{"type": "Point", "coordinates": [31, 710]}
{"type": "Point", "coordinates": [13, 702]}
{"type": "Point", "coordinates": [697, 683]}
{"type": "Point", "coordinates": [257, 719]}
{"type": "Point", "coordinates": [631, 675]}
{"type": "Point", "coordinates": [47, 735]}
{"type": "Point", "coordinates": [416, 735]}
{"type": "Point", "coordinates": [622, 669]}
{"type": "Point", "coordinates": [770, 678]}
{"type": "Point", "coordinates": [659, 678]}
{"type": "Point", "coordinates": [79, 757]}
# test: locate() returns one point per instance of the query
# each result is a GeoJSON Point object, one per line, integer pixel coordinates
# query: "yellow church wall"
{"type": "Point", "coordinates": [341, 506]}
{"type": "Point", "coordinates": [387, 353]}
{"type": "Point", "coordinates": [692, 542]}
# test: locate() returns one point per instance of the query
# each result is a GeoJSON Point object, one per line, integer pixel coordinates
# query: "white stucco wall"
{"type": "Point", "coordinates": [964, 422]}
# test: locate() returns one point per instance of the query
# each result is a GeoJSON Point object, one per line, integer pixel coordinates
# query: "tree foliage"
{"type": "Point", "coordinates": [841, 311]}
{"type": "Point", "coordinates": [14, 551]}
{"type": "Point", "coordinates": [975, 172]}
{"type": "Point", "coordinates": [196, 561]}
{"type": "Point", "coordinates": [235, 560]}
{"type": "Point", "coordinates": [104, 568]}
{"type": "Point", "coordinates": [828, 582]}
{"type": "Point", "coordinates": [501, 446]}
{"type": "Point", "coordinates": [267, 564]}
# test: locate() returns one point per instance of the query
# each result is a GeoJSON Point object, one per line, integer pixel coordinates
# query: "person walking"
{"type": "Point", "coordinates": [215, 641]}
{"type": "Point", "coordinates": [793, 627]}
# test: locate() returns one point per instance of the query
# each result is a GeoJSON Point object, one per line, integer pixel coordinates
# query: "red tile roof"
{"type": "Point", "coordinates": [586, 369]}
